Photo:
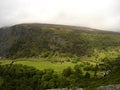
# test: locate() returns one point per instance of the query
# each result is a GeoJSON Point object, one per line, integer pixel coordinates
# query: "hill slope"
{"type": "Point", "coordinates": [27, 40]}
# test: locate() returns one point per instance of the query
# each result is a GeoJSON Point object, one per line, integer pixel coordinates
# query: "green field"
{"type": "Point", "coordinates": [41, 65]}
{"type": "Point", "coordinates": [46, 65]}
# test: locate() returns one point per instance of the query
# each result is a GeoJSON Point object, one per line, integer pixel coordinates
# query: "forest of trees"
{"type": "Point", "coordinates": [22, 77]}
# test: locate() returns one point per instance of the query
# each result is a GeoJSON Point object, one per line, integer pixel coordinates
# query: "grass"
{"type": "Point", "coordinates": [45, 63]}
{"type": "Point", "coordinates": [58, 67]}
{"type": "Point", "coordinates": [41, 65]}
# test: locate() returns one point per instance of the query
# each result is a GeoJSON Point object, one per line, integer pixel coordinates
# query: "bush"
{"type": "Point", "coordinates": [87, 75]}
{"type": "Point", "coordinates": [78, 72]}
{"type": "Point", "coordinates": [89, 68]}
{"type": "Point", "coordinates": [67, 72]}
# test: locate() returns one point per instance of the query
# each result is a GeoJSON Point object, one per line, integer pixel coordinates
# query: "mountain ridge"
{"type": "Point", "coordinates": [29, 40]}
{"type": "Point", "coordinates": [67, 26]}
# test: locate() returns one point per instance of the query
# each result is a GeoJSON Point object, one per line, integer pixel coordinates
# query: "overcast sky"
{"type": "Point", "coordinates": [101, 14]}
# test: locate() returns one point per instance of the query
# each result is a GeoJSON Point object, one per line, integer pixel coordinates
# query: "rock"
{"type": "Point", "coordinates": [58, 89]}
{"type": "Point", "coordinates": [66, 89]}
{"type": "Point", "coordinates": [109, 87]}
{"type": "Point", "coordinates": [76, 89]}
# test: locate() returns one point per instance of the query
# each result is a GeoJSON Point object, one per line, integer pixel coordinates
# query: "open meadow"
{"type": "Point", "coordinates": [41, 65]}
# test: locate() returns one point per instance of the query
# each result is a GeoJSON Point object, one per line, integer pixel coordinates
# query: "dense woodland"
{"type": "Point", "coordinates": [98, 51]}
{"type": "Point", "coordinates": [21, 77]}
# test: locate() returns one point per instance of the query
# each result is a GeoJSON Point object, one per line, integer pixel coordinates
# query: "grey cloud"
{"type": "Point", "coordinates": [74, 12]}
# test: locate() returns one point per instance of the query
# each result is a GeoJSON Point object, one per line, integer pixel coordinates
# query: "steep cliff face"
{"type": "Point", "coordinates": [5, 40]}
{"type": "Point", "coordinates": [109, 87]}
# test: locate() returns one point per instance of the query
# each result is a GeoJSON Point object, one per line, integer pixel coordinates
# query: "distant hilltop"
{"type": "Point", "coordinates": [33, 39]}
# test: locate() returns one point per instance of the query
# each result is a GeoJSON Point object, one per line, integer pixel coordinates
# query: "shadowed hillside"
{"type": "Point", "coordinates": [28, 40]}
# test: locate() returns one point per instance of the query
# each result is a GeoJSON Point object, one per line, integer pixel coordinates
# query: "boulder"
{"type": "Point", "coordinates": [109, 87]}
{"type": "Point", "coordinates": [66, 89]}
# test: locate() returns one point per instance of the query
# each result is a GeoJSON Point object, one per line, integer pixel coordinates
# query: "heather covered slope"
{"type": "Point", "coordinates": [28, 40]}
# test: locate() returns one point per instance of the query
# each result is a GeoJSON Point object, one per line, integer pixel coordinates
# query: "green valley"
{"type": "Point", "coordinates": [43, 56]}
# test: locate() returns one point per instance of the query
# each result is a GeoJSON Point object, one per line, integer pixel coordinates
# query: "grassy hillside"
{"type": "Point", "coordinates": [28, 40]}
{"type": "Point", "coordinates": [42, 56]}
